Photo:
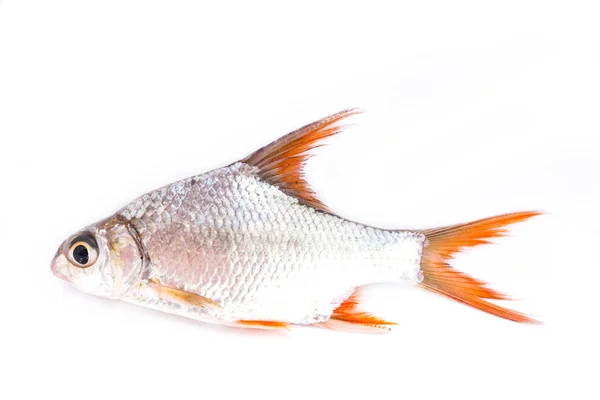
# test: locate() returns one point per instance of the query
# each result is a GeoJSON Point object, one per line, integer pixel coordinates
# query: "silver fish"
{"type": "Point", "coordinates": [250, 245]}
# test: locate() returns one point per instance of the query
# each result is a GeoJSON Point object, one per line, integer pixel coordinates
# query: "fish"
{"type": "Point", "coordinates": [250, 245]}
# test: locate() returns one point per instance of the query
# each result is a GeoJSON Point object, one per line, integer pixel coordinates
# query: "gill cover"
{"type": "Point", "coordinates": [126, 258]}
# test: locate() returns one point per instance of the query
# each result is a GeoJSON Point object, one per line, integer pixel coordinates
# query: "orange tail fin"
{"type": "Point", "coordinates": [440, 277]}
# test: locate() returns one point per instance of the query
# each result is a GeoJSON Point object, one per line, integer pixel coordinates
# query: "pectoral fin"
{"type": "Point", "coordinates": [181, 296]}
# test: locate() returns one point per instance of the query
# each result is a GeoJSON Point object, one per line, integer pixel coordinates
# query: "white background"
{"type": "Point", "coordinates": [471, 109]}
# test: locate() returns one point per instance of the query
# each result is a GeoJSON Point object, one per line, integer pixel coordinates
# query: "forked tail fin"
{"type": "Point", "coordinates": [440, 277]}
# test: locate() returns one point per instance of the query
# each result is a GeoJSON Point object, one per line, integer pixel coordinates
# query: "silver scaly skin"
{"type": "Point", "coordinates": [256, 251]}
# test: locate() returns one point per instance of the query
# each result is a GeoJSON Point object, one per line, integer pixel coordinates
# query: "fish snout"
{"type": "Point", "coordinates": [59, 266]}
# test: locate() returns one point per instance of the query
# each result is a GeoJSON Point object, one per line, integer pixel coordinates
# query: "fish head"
{"type": "Point", "coordinates": [104, 259]}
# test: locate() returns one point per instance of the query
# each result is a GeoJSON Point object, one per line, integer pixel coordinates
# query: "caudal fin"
{"type": "Point", "coordinates": [440, 277]}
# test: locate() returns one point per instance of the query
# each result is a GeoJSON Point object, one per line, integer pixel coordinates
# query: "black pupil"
{"type": "Point", "coordinates": [81, 255]}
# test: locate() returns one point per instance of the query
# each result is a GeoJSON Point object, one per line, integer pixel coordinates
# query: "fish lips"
{"type": "Point", "coordinates": [59, 267]}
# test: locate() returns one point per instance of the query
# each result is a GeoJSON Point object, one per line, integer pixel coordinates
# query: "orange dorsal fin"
{"type": "Point", "coordinates": [440, 277]}
{"type": "Point", "coordinates": [281, 162]}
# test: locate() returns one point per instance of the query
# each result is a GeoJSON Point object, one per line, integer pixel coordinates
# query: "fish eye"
{"type": "Point", "coordinates": [83, 251]}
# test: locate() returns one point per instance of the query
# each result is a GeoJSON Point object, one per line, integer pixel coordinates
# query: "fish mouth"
{"type": "Point", "coordinates": [59, 267]}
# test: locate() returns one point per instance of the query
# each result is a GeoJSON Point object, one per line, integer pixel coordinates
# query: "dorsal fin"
{"type": "Point", "coordinates": [281, 162]}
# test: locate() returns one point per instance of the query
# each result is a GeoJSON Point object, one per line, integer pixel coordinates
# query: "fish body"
{"type": "Point", "coordinates": [250, 245]}
{"type": "Point", "coordinates": [231, 237]}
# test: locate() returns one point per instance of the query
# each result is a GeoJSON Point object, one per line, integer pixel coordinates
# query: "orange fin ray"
{"type": "Point", "coordinates": [262, 324]}
{"type": "Point", "coordinates": [281, 163]}
{"type": "Point", "coordinates": [181, 296]}
{"type": "Point", "coordinates": [451, 239]}
{"type": "Point", "coordinates": [354, 327]}
{"type": "Point", "coordinates": [440, 277]}
{"type": "Point", "coordinates": [348, 317]}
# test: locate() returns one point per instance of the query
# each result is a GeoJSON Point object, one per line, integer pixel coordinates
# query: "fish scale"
{"type": "Point", "coordinates": [245, 240]}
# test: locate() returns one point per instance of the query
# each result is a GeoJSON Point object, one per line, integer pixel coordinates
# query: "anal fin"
{"type": "Point", "coordinates": [262, 324]}
{"type": "Point", "coordinates": [356, 327]}
{"type": "Point", "coordinates": [347, 317]}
